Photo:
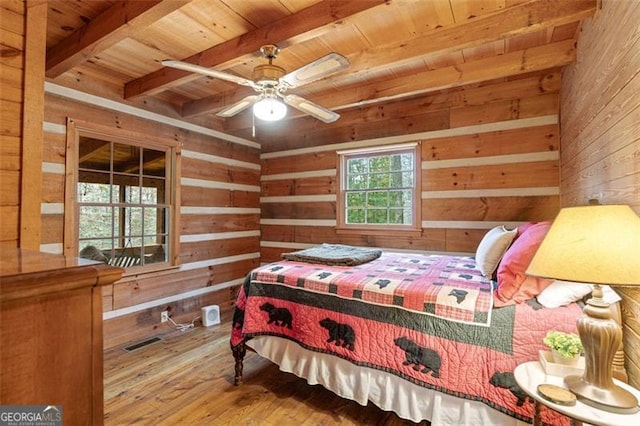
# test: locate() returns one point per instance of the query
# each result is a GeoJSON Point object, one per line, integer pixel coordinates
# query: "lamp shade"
{"type": "Point", "coordinates": [269, 109]}
{"type": "Point", "coordinates": [597, 244]}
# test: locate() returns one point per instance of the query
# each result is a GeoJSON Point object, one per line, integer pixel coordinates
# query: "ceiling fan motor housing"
{"type": "Point", "coordinates": [267, 74]}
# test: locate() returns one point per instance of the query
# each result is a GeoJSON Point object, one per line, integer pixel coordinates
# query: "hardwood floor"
{"type": "Point", "coordinates": [187, 379]}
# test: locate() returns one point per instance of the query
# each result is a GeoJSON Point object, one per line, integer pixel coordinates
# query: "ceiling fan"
{"type": "Point", "coordinates": [271, 83]}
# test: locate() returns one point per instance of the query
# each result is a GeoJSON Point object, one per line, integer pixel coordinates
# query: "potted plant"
{"type": "Point", "coordinates": [565, 347]}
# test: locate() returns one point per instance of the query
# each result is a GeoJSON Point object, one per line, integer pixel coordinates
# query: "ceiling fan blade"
{"type": "Point", "coordinates": [315, 70]}
{"type": "Point", "coordinates": [315, 110]}
{"type": "Point", "coordinates": [186, 66]}
{"type": "Point", "coordinates": [241, 105]}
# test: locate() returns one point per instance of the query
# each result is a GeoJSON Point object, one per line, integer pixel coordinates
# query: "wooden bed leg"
{"type": "Point", "coordinates": [239, 353]}
{"type": "Point", "coordinates": [537, 418]}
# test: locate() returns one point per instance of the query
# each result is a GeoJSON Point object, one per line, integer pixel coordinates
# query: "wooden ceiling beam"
{"type": "Point", "coordinates": [507, 65]}
{"type": "Point", "coordinates": [307, 23]}
{"type": "Point", "coordinates": [529, 17]}
{"type": "Point", "coordinates": [524, 18]}
{"type": "Point", "coordinates": [121, 20]}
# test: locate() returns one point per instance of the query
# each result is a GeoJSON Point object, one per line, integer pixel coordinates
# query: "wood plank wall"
{"type": "Point", "coordinates": [219, 229]}
{"type": "Point", "coordinates": [489, 155]}
{"type": "Point", "coordinates": [12, 26]}
{"type": "Point", "coordinates": [601, 131]}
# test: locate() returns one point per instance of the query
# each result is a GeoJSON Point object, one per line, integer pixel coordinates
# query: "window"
{"type": "Point", "coordinates": [124, 200]}
{"type": "Point", "coordinates": [379, 188]}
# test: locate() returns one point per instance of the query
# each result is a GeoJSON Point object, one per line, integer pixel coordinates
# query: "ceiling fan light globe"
{"type": "Point", "coordinates": [269, 109]}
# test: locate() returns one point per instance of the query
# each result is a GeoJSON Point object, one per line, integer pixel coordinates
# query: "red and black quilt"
{"type": "Point", "coordinates": [427, 319]}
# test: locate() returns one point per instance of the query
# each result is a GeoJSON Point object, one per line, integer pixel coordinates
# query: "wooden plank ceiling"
{"type": "Point", "coordinates": [396, 48]}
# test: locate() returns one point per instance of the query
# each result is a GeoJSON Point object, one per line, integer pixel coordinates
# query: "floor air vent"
{"type": "Point", "coordinates": [138, 345]}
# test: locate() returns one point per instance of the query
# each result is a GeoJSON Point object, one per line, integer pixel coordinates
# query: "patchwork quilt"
{"type": "Point", "coordinates": [427, 319]}
{"type": "Point", "coordinates": [442, 286]}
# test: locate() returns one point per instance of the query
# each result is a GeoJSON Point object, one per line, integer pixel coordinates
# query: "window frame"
{"type": "Point", "coordinates": [414, 229]}
{"type": "Point", "coordinates": [77, 129]}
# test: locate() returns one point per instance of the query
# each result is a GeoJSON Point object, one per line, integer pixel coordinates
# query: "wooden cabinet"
{"type": "Point", "coordinates": [51, 333]}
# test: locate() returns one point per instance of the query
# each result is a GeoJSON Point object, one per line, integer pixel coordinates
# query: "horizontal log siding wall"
{"type": "Point", "coordinates": [219, 224]}
{"type": "Point", "coordinates": [489, 156]}
{"type": "Point", "coordinates": [12, 76]}
{"type": "Point", "coordinates": [601, 132]}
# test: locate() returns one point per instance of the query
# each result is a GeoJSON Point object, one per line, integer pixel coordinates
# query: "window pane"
{"type": "Point", "coordinates": [357, 165]}
{"type": "Point", "coordinates": [132, 221]}
{"type": "Point", "coordinates": [396, 198]}
{"type": "Point", "coordinates": [94, 192]}
{"type": "Point", "coordinates": [407, 161]}
{"type": "Point", "coordinates": [155, 250]}
{"type": "Point", "coordinates": [356, 199]}
{"type": "Point", "coordinates": [379, 180]}
{"type": "Point", "coordinates": [357, 181]}
{"type": "Point", "coordinates": [154, 221]}
{"type": "Point", "coordinates": [153, 162]}
{"type": "Point", "coordinates": [395, 180]}
{"type": "Point", "coordinates": [132, 194]}
{"type": "Point", "coordinates": [95, 221]}
{"type": "Point", "coordinates": [379, 164]}
{"type": "Point", "coordinates": [407, 179]}
{"type": "Point", "coordinates": [377, 216]}
{"type": "Point", "coordinates": [94, 154]}
{"type": "Point", "coordinates": [395, 216]}
{"type": "Point", "coordinates": [115, 194]}
{"type": "Point", "coordinates": [408, 216]}
{"type": "Point", "coordinates": [396, 163]}
{"type": "Point", "coordinates": [151, 189]}
{"type": "Point", "coordinates": [377, 199]}
{"type": "Point", "coordinates": [126, 158]}
{"type": "Point", "coordinates": [400, 216]}
{"type": "Point", "coordinates": [355, 215]}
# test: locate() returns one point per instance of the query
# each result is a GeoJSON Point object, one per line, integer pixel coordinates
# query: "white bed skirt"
{"type": "Point", "coordinates": [387, 391]}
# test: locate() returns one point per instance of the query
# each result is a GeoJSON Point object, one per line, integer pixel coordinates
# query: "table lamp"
{"type": "Point", "coordinates": [595, 244]}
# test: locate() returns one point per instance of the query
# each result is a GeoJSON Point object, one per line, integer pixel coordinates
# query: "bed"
{"type": "Point", "coordinates": [430, 337]}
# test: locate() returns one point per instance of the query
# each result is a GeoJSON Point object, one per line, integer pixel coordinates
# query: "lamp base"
{"type": "Point", "coordinates": [613, 399]}
{"type": "Point", "coordinates": [601, 337]}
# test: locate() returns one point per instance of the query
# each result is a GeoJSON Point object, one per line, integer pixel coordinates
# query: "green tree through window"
{"type": "Point", "coordinates": [379, 187]}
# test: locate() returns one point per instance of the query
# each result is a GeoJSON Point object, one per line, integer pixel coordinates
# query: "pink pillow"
{"type": "Point", "coordinates": [523, 228]}
{"type": "Point", "coordinates": [514, 286]}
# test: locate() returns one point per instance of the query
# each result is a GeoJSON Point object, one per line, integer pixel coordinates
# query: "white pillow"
{"type": "Point", "coordinates": [492, 247]}
{"type": "Point", "coordinates": [560, 293]}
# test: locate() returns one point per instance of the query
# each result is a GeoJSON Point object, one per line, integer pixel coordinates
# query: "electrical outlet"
{"type": "Point", "coordinates": [164, 316]}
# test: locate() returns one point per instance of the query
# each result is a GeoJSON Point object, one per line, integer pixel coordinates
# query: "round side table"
{"type": "Point", "coordinates": [531, 374]}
